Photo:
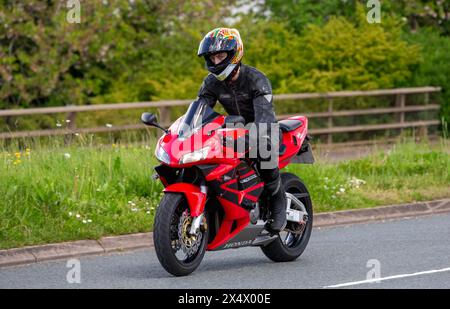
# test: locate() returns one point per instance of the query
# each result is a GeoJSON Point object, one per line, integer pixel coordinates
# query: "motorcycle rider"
{"type": "Point", "coordinates": [243, 90]}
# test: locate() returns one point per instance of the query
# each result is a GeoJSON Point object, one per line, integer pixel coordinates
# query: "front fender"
{"type": "Point", "coordinates": [195, 198]}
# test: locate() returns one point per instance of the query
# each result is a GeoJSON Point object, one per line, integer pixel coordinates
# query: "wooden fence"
{"type": "Point", "coordinates": [400, 110]}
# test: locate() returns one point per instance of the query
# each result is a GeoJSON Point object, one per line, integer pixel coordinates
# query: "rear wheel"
{"type": "Point", "coordinates": [292, 241]}
{"type": "Point", "coordinates": [178, 252]}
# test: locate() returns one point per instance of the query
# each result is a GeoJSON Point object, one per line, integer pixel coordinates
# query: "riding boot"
{"type": "Point", "coordinates": [278, 204]}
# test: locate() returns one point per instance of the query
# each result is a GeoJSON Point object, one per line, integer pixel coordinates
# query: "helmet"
{"type": "Point", "coordinates": [222, 40]}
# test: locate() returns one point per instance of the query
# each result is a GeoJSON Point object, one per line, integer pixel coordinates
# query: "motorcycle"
{"type": "Point", "coordinates": [214, 202]}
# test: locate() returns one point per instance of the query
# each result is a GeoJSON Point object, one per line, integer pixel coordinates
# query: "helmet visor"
{"type": "Point", "coordinates": [211, 45]}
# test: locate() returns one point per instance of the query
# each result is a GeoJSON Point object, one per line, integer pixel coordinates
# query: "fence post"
{"type": "Point", "coordinates": [330, 121]}
{"type": "Point", "coordinates": [400, 102]}
{"type": "Point", "coordinates": [72, 117]}
{"type": "Point", "coordinates": [423, 132]}
{"type": "Point", "coordinates": [427, 97]}
{"type": "Point", "coordinates": [164, 113]}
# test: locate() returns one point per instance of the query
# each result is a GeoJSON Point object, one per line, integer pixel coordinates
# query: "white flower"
{"type": "Point", "coordinates": [342, 190]}
{"type": "Point", "coordinates": [78, 216]}
{"type": "Point", "coordinates": [70, 214]}
{"type": "Point", "coordinates": [67, 155]}
{"type": "Point", "coordinates": [134, 209]}
{"type": "Point", "coordinates": [333, 196]}
{"type": "Point", "coordinates": [59, 125]}
{"type": "Point", "coordinates": [84, 221]}
{"type": "Point", "coordinates": [148, 212]}
{"type": "Point", "coordinates": [89, 221]}
{"type": "Point", "coordinates": [133, 204]}
{"type": "Point", "coordinates": [67, 120]}
{"type": "Point", "coordinates": [108, 125]}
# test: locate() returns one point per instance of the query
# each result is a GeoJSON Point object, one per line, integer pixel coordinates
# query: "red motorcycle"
{"type": "Point", "coordinates": [214, 201]}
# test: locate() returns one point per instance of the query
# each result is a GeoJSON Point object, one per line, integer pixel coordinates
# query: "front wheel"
{"type": "Point", "coordinates": [179, 252]}
{"type": "Point", "coordinates": [291, 242]}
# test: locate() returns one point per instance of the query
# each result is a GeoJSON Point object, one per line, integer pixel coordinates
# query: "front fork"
{"type": "Point", "coordinates": [196, 199]}
{"type": "Point", "coordinates": [197, 221]}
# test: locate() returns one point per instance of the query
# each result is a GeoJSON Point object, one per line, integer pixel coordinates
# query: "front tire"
{"type": "Point", "coordinates": [169, 237]}
{"type": "Point", "coordinates": [282, 250]}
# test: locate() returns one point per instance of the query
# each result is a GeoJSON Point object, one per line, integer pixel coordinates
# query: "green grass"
{"type": "Point", "coordinates": [85, 192]}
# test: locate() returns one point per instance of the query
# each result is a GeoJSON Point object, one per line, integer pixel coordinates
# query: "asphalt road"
{"type": "Point", "coordinates": [410, 253]}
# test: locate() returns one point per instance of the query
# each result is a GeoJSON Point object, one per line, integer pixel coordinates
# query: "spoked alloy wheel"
{"type": "Point", "coordinates": [292, 241]}
{"type": "Point", "coordinates": [179, 252]}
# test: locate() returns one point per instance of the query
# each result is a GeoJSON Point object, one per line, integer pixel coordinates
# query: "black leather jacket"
{"type": "Point", "coordinates": [249, 96]}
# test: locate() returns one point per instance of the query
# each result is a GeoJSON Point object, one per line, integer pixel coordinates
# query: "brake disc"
{"type": "Point", "coordinates": [188, 243]}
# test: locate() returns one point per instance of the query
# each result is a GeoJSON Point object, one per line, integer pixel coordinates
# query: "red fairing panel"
{"type": "Point", "coordinates": [195, 198]}
{"type": "Point", "coordinates": [233, 213]}
{"type": "Point", "coordinates": [299, 134]}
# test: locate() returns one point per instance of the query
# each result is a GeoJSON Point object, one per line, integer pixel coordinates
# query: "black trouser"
{"type": "Point", "coordinates": [270, 176]}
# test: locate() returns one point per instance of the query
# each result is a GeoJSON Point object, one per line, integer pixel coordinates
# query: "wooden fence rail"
{"type": "Point", "coordinates": [400, 110]}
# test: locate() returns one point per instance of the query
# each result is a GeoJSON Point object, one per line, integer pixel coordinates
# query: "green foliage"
{"type": "Point", "coordinates": [434, 68]}
{"type": "Point", "coordinates": [416, 13]}
{"type": "Point", "coordinates": [340, 55]}
{"type": "Point", "coordinates": [121, 51]}
{"type": "Point", "coordinates": [125, 51]}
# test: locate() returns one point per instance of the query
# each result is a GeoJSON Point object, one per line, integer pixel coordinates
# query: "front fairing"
{"type": "Point", "coordinates": [199, 131]}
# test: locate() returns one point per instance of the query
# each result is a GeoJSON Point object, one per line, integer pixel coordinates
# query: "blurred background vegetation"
{"type": "Point", "coordinates": [142, 50]}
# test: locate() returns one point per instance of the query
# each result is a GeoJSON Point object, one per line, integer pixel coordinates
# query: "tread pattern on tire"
{"type": "Point", "coordinates": [161, 237]}
{"type": "Point", "coordinates": [276, 251]}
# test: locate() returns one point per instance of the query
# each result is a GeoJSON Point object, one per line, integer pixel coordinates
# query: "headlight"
{"type": "Point", "coordinates": [195, 156]}
{"type": "Point", "coordinates": [162, 155]}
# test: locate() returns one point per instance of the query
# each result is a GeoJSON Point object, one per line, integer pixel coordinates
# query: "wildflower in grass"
{"type": "Point", "coordinates": [58, 125]}
{"type": "Point", "coordinates": [89, 221]}
{"type": "Point", "coordinates": [84, 221]}
{"type": "Point", "coordinates": [342, 190]}
{"type": "Point", "coordinates": [78, 216]}
{"type": "Point", "coordinates": [67, 155]}
{"type": "Point", "coordinates": [108, 125]}
{"type": "Point", "coordinates": [134, 209]}
{"type": "Point", "coordinates": [70, 214]}
{"type": "Point", "coordinates": [114, 146]}
{"type": "Point", "coordinates": [67, 120]}
{"type": "Point", "coordinates": [355, 182]}
{"type": "Point", "coordinates": [17, 155]}
{"type": "Point", "coordinates": [148, 212]}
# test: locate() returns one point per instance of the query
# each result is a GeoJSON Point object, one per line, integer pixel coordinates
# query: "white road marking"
{"type": "Point", "coordinates": [389, 278]}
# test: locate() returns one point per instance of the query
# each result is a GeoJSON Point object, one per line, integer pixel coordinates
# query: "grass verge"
{"type": "Point", "coordinates": [83, 192]}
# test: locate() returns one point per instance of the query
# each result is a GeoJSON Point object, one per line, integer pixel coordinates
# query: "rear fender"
{"type": "Point", "coordinates": [195, 198]}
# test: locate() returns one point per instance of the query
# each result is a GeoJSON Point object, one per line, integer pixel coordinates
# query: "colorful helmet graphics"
{"type": "Point", "coordinates": [222, 40]}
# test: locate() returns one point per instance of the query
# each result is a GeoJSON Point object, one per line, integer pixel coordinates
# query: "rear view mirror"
{"type": "Point", "coordinates": [148, 119]}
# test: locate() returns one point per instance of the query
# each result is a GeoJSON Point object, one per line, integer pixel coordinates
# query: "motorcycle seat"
{"type": "Point", "coordinates": [288, 125]}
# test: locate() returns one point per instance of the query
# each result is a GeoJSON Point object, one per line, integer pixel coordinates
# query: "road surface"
{"type": "Point", "coordinates": [408, 253]}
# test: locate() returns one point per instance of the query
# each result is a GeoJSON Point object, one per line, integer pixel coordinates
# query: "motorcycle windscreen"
{"type": "Point", "coordinates": [198, 114]}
